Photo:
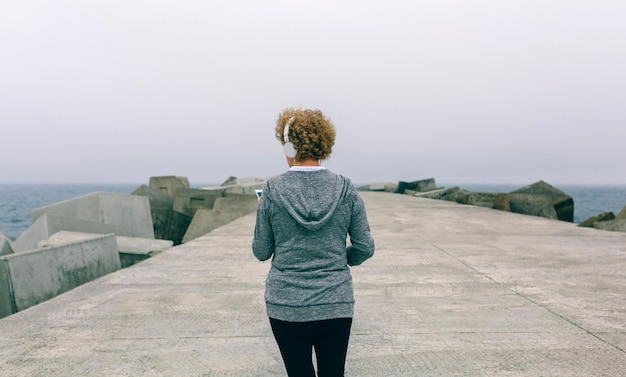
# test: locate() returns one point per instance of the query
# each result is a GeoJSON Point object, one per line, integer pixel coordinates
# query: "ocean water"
{"type": "Point", "coordinates": [18, 200]}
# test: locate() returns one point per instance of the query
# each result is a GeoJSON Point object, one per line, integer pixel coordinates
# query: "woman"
{"type": "Point", "coordinates": [303, 219]}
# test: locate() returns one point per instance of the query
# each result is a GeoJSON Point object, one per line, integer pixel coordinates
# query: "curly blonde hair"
{"type": "Point", "coordinates": [311, 133]}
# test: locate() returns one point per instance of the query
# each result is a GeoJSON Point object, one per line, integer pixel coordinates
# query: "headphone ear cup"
{"type": "Point", "coordinates": [290, 151]}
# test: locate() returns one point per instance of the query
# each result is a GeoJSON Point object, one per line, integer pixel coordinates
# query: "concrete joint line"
{"type": "Point", "coordinates": [568, 321]}
{"type": "Point", "coordinates": [530, 300]}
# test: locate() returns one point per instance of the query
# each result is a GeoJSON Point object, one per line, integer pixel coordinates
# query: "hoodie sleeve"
{"type": "Point", "coordinates": [263, 242]}
{"type": "Point", "coordinates": [362, 243]}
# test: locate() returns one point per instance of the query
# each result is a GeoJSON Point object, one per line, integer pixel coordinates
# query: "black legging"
{"type": "Point", "coordinates": [297, 339]}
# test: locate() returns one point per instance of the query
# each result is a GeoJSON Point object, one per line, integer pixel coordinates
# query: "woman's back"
{"type": "Point", "coordinates": [310, 214]}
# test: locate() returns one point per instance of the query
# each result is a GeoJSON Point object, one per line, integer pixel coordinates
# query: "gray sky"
{"type": "Point", "coordinates": [462, 91]}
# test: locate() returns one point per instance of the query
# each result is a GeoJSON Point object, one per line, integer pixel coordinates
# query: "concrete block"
{"type": "Point", "coordinates": [169, 224]}
{"type": "Point", "coordinates": [47, 225]}
{"type": "Point", "coordinates": [533, 205]}
{"type": "Point", "coordinates": [130, 212]}
{"type": "Point", "coordinates": [378, 186]}
{"type": "Point", "coordinates": [169, 185]}
{"type": "Point", "coordinates": [246, 181]}
{"type": "Point", "coordinates": [417, 186]}
{"type": "Point", "coordinates": [542, 199]}
{"type": "Point", "coordinates": [230, 181]}
{"type": "Point", "coordinates": [38, 275]}
{"type": "Point", "coordinates": [5, 245]}
{"type": "Point", "coordinates": [142, 245]}
{"type": "Point", "coordinates": [244, 189]}
{"type": "Point", "coordinates": [7, 306]}
{"type": "Point", "coordinates": [453, 194]}
{"type": "Point", "coordinates": [494, 200]}
{"type": "Point", "coordinates": [226, 209]}
{"type": "Point", "coordinates": [239, 203]}
{"type": "Point", "coordinates": [501, 202]}
{"type": "Point", "coordinates": [434, 194]}
{"type": "Point", "coordinates": [392, 188]}
{"type": "Point", "coordinates": [207, 220]}
{"type": "Point", "coordinates": [604, 216]}
{"type": "Point", "coordinates": [131, 249]}
{"type": "Point", "coordinates": [134, 250]}
{"type": "Point", "coordinates": [157, 198]}
{"type": "Point", "coordinates": [617, 225]}
{"type": "Point", "coordinates": [187, 201]}
{"type": "Point", "coordinates": [64, 237]}
{"type": "Point", "coordinates": [236, 185]}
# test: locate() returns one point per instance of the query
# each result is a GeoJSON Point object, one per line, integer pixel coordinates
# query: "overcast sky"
{"type": "Point", "coordinates": [460, 91]}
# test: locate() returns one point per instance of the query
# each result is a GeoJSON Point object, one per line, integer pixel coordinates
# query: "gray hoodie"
{"type": "Point", "coordinates": [303, 221]}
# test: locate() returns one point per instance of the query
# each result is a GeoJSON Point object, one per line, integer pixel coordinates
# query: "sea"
{"type": "Point", "coordinates": [18, 200]}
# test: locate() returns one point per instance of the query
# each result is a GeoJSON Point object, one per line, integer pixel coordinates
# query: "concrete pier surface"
{"type": "Point", "coordinates": [453, 290]}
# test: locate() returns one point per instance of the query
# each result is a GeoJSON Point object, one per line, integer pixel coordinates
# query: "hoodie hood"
{"type": "Point", "coordinates": [310, 197]}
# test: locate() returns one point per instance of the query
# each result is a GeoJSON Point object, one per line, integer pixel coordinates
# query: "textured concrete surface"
{"type": "Point", "coordinates": [131, 249]}
{"type": "Point", "coordinates": [34, 276]}
{"type": "Point", "coordinates": [453, 290]}
{"type": "Point", "coordinates": [47, 225]}
{"type": "Point", "coordinates": [130, 212]}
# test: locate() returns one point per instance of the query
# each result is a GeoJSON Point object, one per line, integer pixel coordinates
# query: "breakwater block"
{"type": "Point", "coordinates": [617, 225]}
{"type": "Point", "coordinates": [169, 184]}
{"type": "Point", "coordinates": [207, 220]}
{"type": "Point", "coordinates": [48, 224]}
{"type": "Point", "coordinates": [237, 203]}
{"type": "Point", "coordinates": [542, 199]}
{"type": "Point", "coordinates": [5, 245]}
{"type": "Point", "coordinates": [130, 212]}
{"type": "Point", "coordinates": [417, 186]}
{"type": "Point", "coordinates": [607, 221]}
{"type": "Point", "coordinates": [6, 300]}
{"type": "Point", "coordinates": [245, 185]}
{"type": "Point", "coordinates": [227, 209]}
{"type": "Point", "coordinates": [156, 198]}
{"type": "Point", "coordinates": [379, 186]}
{"type": "Point", "coordinates": [31, 277]}
{"type": "Point", "coordinates": [604, 216]}
{"type": "Point", "coordinates": [131, 249]}
{"type": "Point", "coordinates": [167, 223]}
{"type": "Point", "coordinates": [170, 225]}
{"type": "Point", "coordinates": [456, 194]}
{"type": "Point", "coordinates": [188, 201]}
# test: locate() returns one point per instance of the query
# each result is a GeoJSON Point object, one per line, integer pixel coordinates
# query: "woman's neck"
{"type": "Point", "coordinates": [307, 162]}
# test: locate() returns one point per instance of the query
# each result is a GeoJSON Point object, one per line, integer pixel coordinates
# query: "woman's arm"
{"type": "Point", "coordinates": [263, 242]}
{"type": "Point", "coordinates": [362, 244]}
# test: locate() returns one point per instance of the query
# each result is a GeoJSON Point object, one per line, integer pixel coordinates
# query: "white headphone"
{"type": "Point", "coordinates": [288, 147]}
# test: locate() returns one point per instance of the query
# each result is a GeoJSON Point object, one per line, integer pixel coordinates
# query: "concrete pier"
{"type": "Point", "coordinates": [453, 290]}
